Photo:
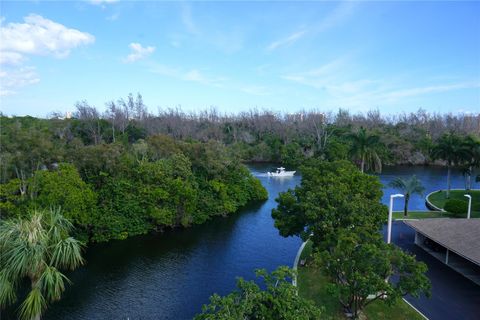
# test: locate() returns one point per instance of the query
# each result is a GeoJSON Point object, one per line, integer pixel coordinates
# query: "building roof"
{"type": "Point", "coordinates": [461, 236]}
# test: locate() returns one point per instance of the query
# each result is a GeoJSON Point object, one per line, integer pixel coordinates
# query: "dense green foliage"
{"type": "Point", "coordinates": [314, 284]}
{"type": "Point", "coordinates": [365, 148]}
{"type": "Point", "coordinates": [360, 262]}
{"type": "Point", "coordinates": [456, 206]}
{"type": "Point", "coordinates": [338, 207]}
{"type": "Point", "coordinates": [454, 150]}
{"type": "Point", "coordinates": [36, 247]}
{"type": "Point", "coordinates": [279, 300]}
{"type": "Point", "coordinates": [331, 196]}
{"type": "Point", "coordinates": [122, 188]}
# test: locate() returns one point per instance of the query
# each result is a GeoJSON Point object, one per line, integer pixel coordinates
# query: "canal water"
{"type": "Point", "coordinates": [171, 275]}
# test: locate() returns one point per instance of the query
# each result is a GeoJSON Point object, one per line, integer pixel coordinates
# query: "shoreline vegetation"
{"type": "Point", "coordinates": [126, 172]}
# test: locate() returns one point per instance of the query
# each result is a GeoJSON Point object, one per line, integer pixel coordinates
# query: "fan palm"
{"type": "Point", "coordinates": [471, 146]}
{"type": "Point", "coordinates": [451, 149]}
{"type": "Point", "coordinates": [36, 248]}
{"type": "Point", "coordinates": [408, 187]}
{"type": "Point", "coordinates": [364, 148]}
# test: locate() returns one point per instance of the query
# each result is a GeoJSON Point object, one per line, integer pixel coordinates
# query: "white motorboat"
{"type": "Point", "coordinates": [281, 173]}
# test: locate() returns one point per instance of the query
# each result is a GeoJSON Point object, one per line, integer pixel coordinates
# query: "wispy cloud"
{"type": "Point", "coordinates": [207, 79]}
{"type": "Point", "coordinates": [286, 41]}
{"type": "Point", "coordinates": [341, 85]}
{"type": "Point", "coordinates": [324, 76]}
{"type": "Point", "coordinates": [13, 58]}
{"type": "Point", "coordinates": [191, 75]}
{"type": "Point", "coordinates": [416, 91]}
{"type": "Point", "coordinates": [102, 2]}
{"type": "Point", "coordinates": [138, 52]}
{"type": "Point", "coordinates": [12, 80]}
{"type": "Point", "coordinates": [337, 16]}
{"type": "Point", "coordinates": [113, 17]}
{"type": "Point", "coordinates": [255, 90]}
{"type": "Point", "coordinates": [187, 19]}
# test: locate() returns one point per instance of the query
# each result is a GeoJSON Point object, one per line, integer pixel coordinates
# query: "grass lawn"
{"type": "Point", "coordinates": [439, 199]}
{"type": "Point", "coordinates": [312, 285]}
{"type": "Point", "coordinates": [420, 215]}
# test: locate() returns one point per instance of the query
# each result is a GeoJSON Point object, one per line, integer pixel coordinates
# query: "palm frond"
{"type": "Point", "coordinates": [52, 283]}
{"type": "Point", "coordinates": [67, 253]}
{"type": "Point", "coordinates": [33, 305]}
{"type": "Point", "coordinates": [398, 183]}
{"type": "Point", "coordinates": [7, 290]}
{"type": "Point", "coordinates": [410, 185]}
{"type": "Point", "coordinates": [19, 260]}
{"type": "Point", "coordinates": [57, 223]}
{"type": "Point", "coordinates": [36, 248]}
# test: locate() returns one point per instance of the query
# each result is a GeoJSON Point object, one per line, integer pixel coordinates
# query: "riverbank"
{"type": "Point", "coordinates": [174, 273]}
{"type": "Point", "coordinates": [313, 284]}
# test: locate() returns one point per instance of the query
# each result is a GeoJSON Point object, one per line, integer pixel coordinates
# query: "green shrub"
{"type": "Point", "coordinates": [456, 207]}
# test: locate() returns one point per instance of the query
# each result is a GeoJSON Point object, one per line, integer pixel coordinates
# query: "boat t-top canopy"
{"type": "Point", "coordinates": [281, 168]}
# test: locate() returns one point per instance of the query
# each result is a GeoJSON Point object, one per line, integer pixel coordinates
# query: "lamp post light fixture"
{"type": "Point", "coordinates": [469, 205]}
{"type": "Point", "coordinates": [390, 213]}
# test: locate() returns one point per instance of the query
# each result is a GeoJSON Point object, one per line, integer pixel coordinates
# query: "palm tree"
{"type": "Point", "coordinates": [364, 148]}
{"type": "Point", "coordinates": [408, 187]}
{"type": "Point", "coordinates": [472, 158]}
{"type": "Point", "coordinates": [450, 149]}
{"type": "Point", "coordinates": [36, 248]}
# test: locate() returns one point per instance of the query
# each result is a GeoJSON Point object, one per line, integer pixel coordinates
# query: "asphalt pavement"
{"type": "Point", "coordinates": [453, 296]}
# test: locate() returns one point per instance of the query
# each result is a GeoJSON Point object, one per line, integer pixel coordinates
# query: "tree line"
{"type": "Point", "coordinates": [118, 189]}
{"type": "Point", "coordinates": [262, 135]}
{"type": "Point", "coordinates": [60, 189]}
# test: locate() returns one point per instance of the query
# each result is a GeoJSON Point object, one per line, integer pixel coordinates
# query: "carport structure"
{"type": "Point", "coordinates": [455, 242]}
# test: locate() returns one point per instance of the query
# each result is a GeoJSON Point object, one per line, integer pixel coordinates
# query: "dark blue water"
{"type": "Point", "coordinates": [171, 275]}
{"type": "Point", "coordinates": [432, 178]}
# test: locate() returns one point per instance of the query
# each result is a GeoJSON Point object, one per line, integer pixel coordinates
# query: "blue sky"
{"type": "Point", "coordinates": [235, 56]}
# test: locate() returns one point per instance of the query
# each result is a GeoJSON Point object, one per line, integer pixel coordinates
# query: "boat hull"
{"type": "Point", "coordinates": [281, 174]}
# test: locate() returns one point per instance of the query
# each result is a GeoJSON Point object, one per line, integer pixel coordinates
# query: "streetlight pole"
{"type": "Point", "coordinates": [469, 205]}
{"type": "Point", "coordinates": [390, 213]}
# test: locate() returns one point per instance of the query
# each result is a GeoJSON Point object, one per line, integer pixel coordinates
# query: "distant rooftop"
{"type": "Point", "coordinates": [461, 236]}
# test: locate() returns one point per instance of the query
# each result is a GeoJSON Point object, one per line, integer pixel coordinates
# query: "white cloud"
{"type": "Point", "coordinates": [13, 58]}
{"type": "Point", "coordinates": [39, 36]}
{"type": "Point", "coordinates": [102, 2]}
{"type": "Point", "coordinates": [11, 80]}
{"type": "Point", "coordinates": [138, 52]}
{"type": "Point", "coordinates": [35, 36]}
{"type": "Point", "coordinates": [288, 40]}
